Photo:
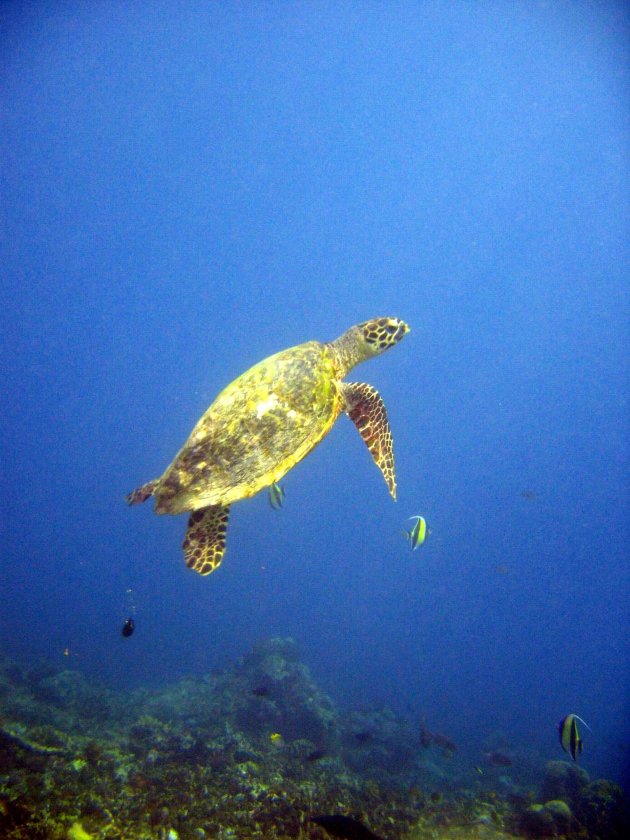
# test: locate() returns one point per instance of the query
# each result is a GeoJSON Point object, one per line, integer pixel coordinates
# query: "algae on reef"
{"type": "Point", "coordinates": [196, 759]}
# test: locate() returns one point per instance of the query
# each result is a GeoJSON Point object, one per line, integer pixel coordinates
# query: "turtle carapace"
{"type": "Point", "coordinates": [263, 424]}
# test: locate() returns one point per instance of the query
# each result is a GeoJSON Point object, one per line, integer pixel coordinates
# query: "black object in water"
{"type": "Point", "coordinates": [128, 627]}
{"type": "Point", "coordinates": [345, 828]}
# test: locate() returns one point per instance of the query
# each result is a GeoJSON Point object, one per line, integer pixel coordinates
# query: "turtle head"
{"type": "Point", "coordinates": [380, 334]}
{"type": "Point", "coordinates": [365, 341]}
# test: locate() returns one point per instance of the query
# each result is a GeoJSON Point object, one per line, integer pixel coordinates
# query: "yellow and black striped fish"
{"type": "Point", "coordinates": [418, 534]}
{"type": "Point", "coordinates": [569, 735]}
{"type": "Point", "coordinates": [276, 496]}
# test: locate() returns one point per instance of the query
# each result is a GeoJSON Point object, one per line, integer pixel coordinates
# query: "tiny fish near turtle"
{"type": "Point", "coordinates": [128, 628]}
{"type": "Point", "coordinates": [263, 423]}
{"type": "Point", "coordinates": [276, 496]}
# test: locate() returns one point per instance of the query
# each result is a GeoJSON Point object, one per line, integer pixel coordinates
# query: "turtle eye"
{"type": "Point", "coordinates": [382, 333]}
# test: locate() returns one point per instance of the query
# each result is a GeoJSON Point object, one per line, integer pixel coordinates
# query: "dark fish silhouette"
{"type": "Point", "coordinates": [530, 495]}
{"type": "Point", "coordinates": [128, 628]}
{"type": "Point", "coordinates": [345, 828]}
{"type": "Point", "coordinates": [499, 759]}
{"type": "Point", "coordinates": [428, 739]}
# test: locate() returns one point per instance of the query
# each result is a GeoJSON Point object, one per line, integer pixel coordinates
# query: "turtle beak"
{"type": "Point", "coordinates": [402, 330]}
{"type": "Point", "coordinates": [392, 331]}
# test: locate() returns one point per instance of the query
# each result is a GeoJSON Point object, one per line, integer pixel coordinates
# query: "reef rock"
{"type": "Point", "coordinates": [563, 781]}
{"type": "Point", "coordinates": [272, 690]}
{"type": "Point", "coordinates": [549, 820]}
{"type": "Point", "coordinates": [602, 809]}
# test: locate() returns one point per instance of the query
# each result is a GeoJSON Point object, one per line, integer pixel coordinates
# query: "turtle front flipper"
{"type": "Point", "coordinates": [204, 543]}
{"type": "Point", "coordinates": [366, 409]}
{"type": "Point", "coordinates": [141, 494]}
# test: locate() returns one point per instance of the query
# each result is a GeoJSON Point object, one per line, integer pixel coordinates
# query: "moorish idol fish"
{"type": "Point", "coordinates": [569, 735]}
{"type": "Point", "coordinates": [418, 534]}
{"type": "Point", "coordinates": [276, 496]}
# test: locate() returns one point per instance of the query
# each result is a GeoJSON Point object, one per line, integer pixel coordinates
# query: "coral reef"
{"type": "Point", "coordinates": [563, 780]}
{"type": "Point", "coordinates": [552, 819]}
{"type": "Point", "coordinates": [253, 752]}
{"type": "Point", "coordinates": [575, 807]}
{"type": "Point", "coordinates": [601, 809]}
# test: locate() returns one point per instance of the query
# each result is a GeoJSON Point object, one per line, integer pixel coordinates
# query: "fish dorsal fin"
{"type": "Point", "coordinates": [366, 409]}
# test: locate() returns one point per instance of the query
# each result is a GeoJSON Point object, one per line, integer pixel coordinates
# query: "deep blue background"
{"type": "Point", "coordinates": [187, 188]}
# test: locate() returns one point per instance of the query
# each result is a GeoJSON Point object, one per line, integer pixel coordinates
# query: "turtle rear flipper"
{"type": "Point", "coordinates": [204, 543]}
{"type": "Point", "coordinates": [366, 409]}
{"type": "Point", "coordinates": [141, 494]}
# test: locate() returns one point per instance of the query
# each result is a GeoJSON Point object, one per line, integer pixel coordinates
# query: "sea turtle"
{"type": "Point", "coordinates": [266, 421]}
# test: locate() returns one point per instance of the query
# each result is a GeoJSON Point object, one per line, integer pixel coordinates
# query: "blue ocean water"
{"type": "Point", "coordinates": [187, 188]}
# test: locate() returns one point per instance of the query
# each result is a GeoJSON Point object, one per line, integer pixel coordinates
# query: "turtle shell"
{"type": "Point", "coordinates": [258, 427]}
